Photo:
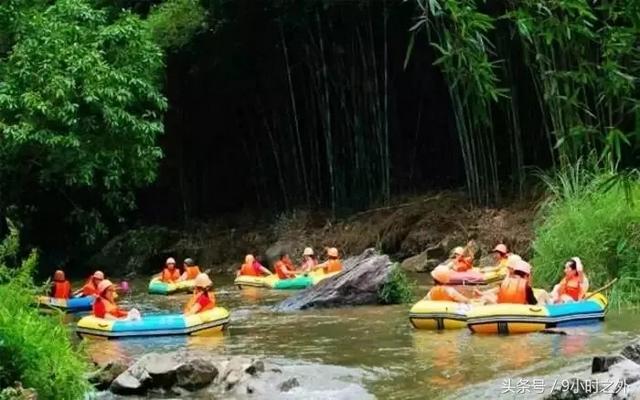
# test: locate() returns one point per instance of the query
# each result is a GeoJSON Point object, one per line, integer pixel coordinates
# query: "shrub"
{"type": "Point", "coordinates": [591, 214]}
{"type": "Point", "coordinates": [398, 288]}
{"type": "Point", "coordinates": [34, 349]}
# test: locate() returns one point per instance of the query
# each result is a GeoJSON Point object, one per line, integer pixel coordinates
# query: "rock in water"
{"type": "Point", "coordinates": [632, 352]}
{"type": "Point", "coordinates": [196, 374]}
{"type": "Point", "coordinates": [288, 384]}
{"type": "Point", "coordinates": [422, 262]}
{"type": "Point", "coordinates": [359, 283]}
{"type": "Point", "coordinates": [102, 378]}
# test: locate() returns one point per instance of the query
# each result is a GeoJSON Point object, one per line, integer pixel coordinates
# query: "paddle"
{"type": "Point", "coordinates": [605, 287]}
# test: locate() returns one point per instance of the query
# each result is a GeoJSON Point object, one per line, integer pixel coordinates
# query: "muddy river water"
{"type": "Point", "coordinates": [371, 352]}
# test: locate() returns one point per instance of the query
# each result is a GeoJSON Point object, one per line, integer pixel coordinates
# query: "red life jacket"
{"type": "Point", "coordinates": [102, 307]}
{"type": "Point", "coordinates": [571, 287]}
{"type": "Point", "coordinates": [61, 290]}
{"type": "Point", "coordinates": [248, 270]}
{"type": "Point", "coordinates": [207, 301]}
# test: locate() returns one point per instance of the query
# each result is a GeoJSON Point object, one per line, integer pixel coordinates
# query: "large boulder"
{"type": "Point", "coordinates": [362, 279]}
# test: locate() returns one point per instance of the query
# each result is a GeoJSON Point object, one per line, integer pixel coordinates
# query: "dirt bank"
{"type": "Point", "coordinates": [436, 222]}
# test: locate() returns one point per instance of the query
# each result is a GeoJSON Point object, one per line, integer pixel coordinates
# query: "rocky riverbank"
{"type": "Point", "coordinates": [179, 374]}
{"type": "Point", "coordinates": [420, 230]}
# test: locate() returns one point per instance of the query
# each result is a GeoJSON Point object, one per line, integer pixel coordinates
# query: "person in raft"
{"type": "Point", "coordinates": [440, 292]}
{"type": "Point", "coordinates": [463, 261]}
{"type": "Point", "coordinates": [309, 260]}
{"type": "Point", "coordinates": [170, 274]}
{"type": "Point", "coordinates": [573, 286]}
{"type": "Point", "coordinates": [515, 288]}
{"type": "Point", "coordinates": [504, 256]}
{"type": "Point", "coordinates": [284, 267]}
{"type": "Point", "coordinates": [91, 287]}
{"type": "Point", "coordinates": [105, 305]}
{"type": "Point", "coordinates": [202, 299]}
{"type": "Point", "coordinates": [60, 287]}
{"type": "Point", "coordinates": [333, 263]}
{"type": "Point", "coordinates": [252, 267]}
{"type": "Point", "coordinates": [191, 270]}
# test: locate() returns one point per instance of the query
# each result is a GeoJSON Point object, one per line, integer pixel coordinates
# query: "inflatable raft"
{"type": "Point", "coordinates": [438, 315]}
{"type": "Point", "coordinates": [155, 325]}
{"type": "Point", "coordinates": [156, 286]}
{"type": "Point", "coordinates": [67, 305]}
{"type": "Point", "coordinates": [518, 318]}
{"type": "Point", "coordinates": [273, 282]}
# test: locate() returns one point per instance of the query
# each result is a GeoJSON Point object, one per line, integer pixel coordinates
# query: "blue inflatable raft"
{"type": "Point", "coordinates": [67, 305]}
{"type": "Point", "coordinates": [155, 325]}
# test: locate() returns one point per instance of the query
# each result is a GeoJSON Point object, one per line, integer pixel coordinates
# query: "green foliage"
{"type": "Point", "coordinates": [175, 22]}
{"type": "Point", "coordinates": [34, 350]}
{"type": "Point", "coordinates": [583, 62]}
{"type": "Point", "coordinates": [459, 31]}
{"type": "Point", "coordinates": [398, 288]}
{"type": "Point", "coordinates": [80, 108]}
{"type": "Point", "coordinates": [589, 215]}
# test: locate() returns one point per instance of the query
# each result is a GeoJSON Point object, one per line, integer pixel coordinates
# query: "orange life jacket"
{"type": "Point", "coordinates": [110, 308]}
{"type": "Point", "coordinates": [440, 293]}
{"type": "Point", "coordinates": [61, 289]}
{"type": "Point", "coordinates": [333, 265]}
{"type": "Point", "coordinates": [463, 264]}
{"type": "Point", "coordinates": [513, 290]}
{"type": "Point", "coordinates": [248, 270]}
{"type": "Point", "coordinates": [571, 287]}
{"type": "Point", "coordinates": [89, 289]}
{"type": "Point", "coordinates": [281, 269]}
{"type": "Point", "coordinates": [169, 277]}
{"type": "Point", "coordinates": [192, 272]}
{"type": "Point", "coordinates": [194, 300]}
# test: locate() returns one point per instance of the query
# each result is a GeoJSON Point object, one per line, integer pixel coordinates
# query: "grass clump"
{"type": "Point", "coordinates": [34, 350]}
{"type": "Point", "coordinates": [592, 213]}
{"type": "Point", "coordinates": [398, 289]}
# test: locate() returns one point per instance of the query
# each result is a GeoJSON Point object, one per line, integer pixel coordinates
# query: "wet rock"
{"type": "Point", "coordinates": [359, 283]}
{"type": "Point", "coordinates": [419, 263]}
{"type": "Point", "coordinates": [161, 368]}
{"type": "Point", "coordinates": [602, 363]}
{"type": "Point", "coordinates": [632, 352]}
{"type": "Point", "coordinates": [255, 367]}
{"type": "Point", "coordinates": [288, 384]}
{"type": "Point", "coordinates": [102, 378]}
{"type": "Point", "coordinates": [625, 371]}
{"type": "Point", "coordinates": [195, 374]}
{"type": "Point", "coordinates": [126, 384]}
{"type": "Point", "coordinates": [151, 371]}
{"type": "Point", "coordinates": [578, 389]}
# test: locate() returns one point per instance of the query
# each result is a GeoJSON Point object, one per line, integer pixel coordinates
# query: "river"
{"type": "Point", "coordinates": [371, 352]}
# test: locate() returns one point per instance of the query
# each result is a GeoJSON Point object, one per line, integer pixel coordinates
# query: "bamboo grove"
{"type": "Point", "coordinates": [578, 59]}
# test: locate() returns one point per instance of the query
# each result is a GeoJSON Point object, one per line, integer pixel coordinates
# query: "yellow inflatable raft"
{"type": "Point", "coordinates": [155, 325]}
{"type": "Point", "coordinates": [438, 315]}
{"type": "Point", "coordinates": [519, 318]}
